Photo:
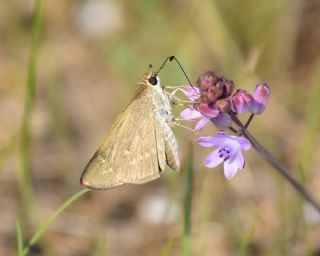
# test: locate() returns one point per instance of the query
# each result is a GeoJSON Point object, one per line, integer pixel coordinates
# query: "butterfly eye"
{"type": "Point", "coordinates": [152, 80]}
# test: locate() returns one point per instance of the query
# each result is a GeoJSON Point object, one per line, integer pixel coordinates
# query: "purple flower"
{"type": "Point", "coordinates": [203, 111]}
{"type": "Point", "coordinates": [261, 97]}
{"type": "Point", "coordinates": [242, 101]}
{"type": "Point", "coordinates": [192, 93]}
{"type": "Point", "coordinates": [228, 149]}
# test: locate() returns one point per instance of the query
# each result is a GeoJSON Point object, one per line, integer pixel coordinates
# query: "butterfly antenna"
{"type": "Point", "coordinates": [171, 58]}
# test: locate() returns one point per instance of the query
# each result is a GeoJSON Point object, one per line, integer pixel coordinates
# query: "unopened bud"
{"type": "Point", "coordinates": [229, 86]}
{"type": "Point", "coordinates": [223, 105]}
{"type": "Point", "coordinates": [206, 110]}
{"type": "Point", "coordinates": [242, 101]}
{"type": "Point", "coordinates": [206, 80]}
{"type": "Point", "coordinates": [261, 97]}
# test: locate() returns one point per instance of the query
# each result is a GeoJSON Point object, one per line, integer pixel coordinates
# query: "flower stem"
{"type": "Point", "coordinates": [281, 169]}
{"type": "Point", "coordinates": [249, 121]}
{"type": "Point", "coordinates": [284, 171]}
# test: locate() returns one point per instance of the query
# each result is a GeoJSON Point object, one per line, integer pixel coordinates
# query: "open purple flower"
{"type": "Point", "coordinates": [192, 93]}
{"type": "Point", "coordinates": [228, 149]}
{"type": "Point", "coordinates": [203, 111]}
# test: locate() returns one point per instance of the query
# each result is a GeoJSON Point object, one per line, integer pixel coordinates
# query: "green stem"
{"type": "Point", "coordinates": [24, 179]}
{"type": "Point", "coordinates": [52, 218]}
{"type": "Point", "coordinates": [19, 238]}
{"type": "Point", "coordinates": [188, 205]}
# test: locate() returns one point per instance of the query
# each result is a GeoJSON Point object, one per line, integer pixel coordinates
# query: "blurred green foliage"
{"type": "Point", "coordinates": [90, 56]}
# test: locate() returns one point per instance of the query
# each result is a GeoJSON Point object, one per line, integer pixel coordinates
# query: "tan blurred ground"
{"type": "Point", "coordinates": [91, 55]}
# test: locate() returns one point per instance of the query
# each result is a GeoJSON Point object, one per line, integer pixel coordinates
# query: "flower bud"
{"type": "Point", "coordinates": [242, 101]}
{"type": "Point", "coordinates": [211, 95]}
{"type": "Point", "coordinates": [229, 86]}
{"type": "Point", "coordinates": [206, 80]}
{"type": "Point", "coordinates": [261, 96]}
{"type": "Point", "coordinates": [223, 105]}
{"type": "Point", "coordinates": [206, 110]}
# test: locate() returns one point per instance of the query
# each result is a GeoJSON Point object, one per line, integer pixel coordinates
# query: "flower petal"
{"type": "Point", "coordinates": [239, 159]}
{"type": "Point", "coordinates": [261, 97]}
{"type": "Point", "coordinates": [244, 143]}
{"type": "Point", "coordinates": [206, 110]}
{"type": "Point", "coordinates": [208, 141]}
{"type": "Point", "coordinates": [230, 169]}
{"type": "Point", "coordinates": [222, 121]}
{"type": "Point", "coordinates": [190, 114]}
{"type": "Point", "coordinates": [203, 121]}
{"type": "Point", "coordinates": [242, 101]}
{"type": "Point", "coordinates": [192, 93]}
{"type": "Point", "coordinates": [213, 159]}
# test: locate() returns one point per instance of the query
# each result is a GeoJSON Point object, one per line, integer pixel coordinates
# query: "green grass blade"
{"type": "Point", "coordinates": [188, 204]}
{"type": "Point", "coordinates": [19, 235]}
{"type": "Point", "coordinates": [52, 218]}
{"type": "Point", "coordinates": [168, 247]}
{"type": "Point", "coordinates": [312, 125]}
{"type": "Point", "coordinates": [24, 178]}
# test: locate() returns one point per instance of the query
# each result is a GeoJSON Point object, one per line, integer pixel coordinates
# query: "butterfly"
{"type": "Point", "coordinates": [140, 143]}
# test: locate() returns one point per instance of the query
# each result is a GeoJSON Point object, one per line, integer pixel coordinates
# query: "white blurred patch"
{"type": "Point", "coordinates": [310, 214]}
{"type": "Point", "coordinates": [157, 208]}
{"type": "Point", "coordinates": [96, 18]}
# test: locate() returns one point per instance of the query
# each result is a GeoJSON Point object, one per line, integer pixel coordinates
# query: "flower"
{"type": "Point", "coordinates": [228, 149]}
{"type": "Point", "coordinates": [192, 93]}
{"type": "Point", "coordinates": [214, 87]}
{"type": "Point", "coordinates": [203, 111]}
{"type": "Point", "coordinates": [261, 97]}
{"type": "Point", "coordinates": [242, 101]}
{"type": "Point", "coordinates": [200, 110]}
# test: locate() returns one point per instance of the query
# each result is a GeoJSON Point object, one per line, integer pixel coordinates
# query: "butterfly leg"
{"type": "Point", "coordinates": [176, 100]}
{"type": "Point", "coordinates": [177, 122]}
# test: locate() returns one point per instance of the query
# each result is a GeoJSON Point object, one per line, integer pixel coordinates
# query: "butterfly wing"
{"type": "Point", "coordinates": [167, 145]}
{"type": "Point", "coordinates": [129, 153]}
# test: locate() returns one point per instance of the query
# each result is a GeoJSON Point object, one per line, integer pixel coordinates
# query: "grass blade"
{"type": "Point", "coordinates": [168, 247]}
{"type": "Point", "coordinates": [52, 218]}
{"type": "Point", "coordinates": [19, 235]}
{"type": "Point", "coordinates": [188, 204]}
{"type": "Point", "coordinates": [24, 178]}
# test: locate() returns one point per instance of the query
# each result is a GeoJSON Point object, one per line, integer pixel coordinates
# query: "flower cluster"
{"type": "Point", "coordinates": [213, 101]}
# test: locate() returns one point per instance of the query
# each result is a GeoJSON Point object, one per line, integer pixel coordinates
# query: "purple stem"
{"type": "Point", "coordinates": [249, 121]}
{"type": "Point", "coordinates": [284, 171]}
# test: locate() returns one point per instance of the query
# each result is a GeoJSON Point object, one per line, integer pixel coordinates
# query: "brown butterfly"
{"type": "Point", "coordinates": [140, 143]}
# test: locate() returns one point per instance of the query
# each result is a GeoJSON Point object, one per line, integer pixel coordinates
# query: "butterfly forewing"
{"type": "Point", "coordinates": [138, 146]}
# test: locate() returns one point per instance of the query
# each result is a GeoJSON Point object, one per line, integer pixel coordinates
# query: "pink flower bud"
{"type": "Point", "coordinates": [206, 80]}
{"type": "Point", "coordinates": [229, 86]}
{"type": "Point", "coordinates": [206, 110]}
{"type": "Point", "coordinates": [223, 105]}
{"type": "Point", "coordinates": [261, 96]}
{"type": "Point", "coordinates": [242, 101]}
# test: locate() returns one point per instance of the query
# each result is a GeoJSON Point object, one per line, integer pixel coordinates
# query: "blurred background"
{"type": "Point", "coordinates": [90, 56]}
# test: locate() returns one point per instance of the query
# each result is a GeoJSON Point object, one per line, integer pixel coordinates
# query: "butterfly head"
{"type": "Point", "coordinates": [151, 79]}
